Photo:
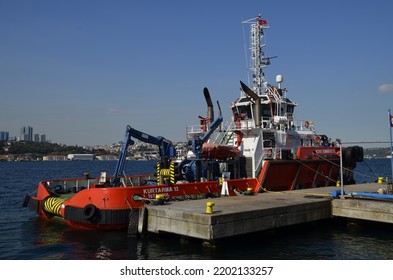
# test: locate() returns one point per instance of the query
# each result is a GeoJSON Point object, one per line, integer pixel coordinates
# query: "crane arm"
{"type": "Point", "coordinates": [165, 146]}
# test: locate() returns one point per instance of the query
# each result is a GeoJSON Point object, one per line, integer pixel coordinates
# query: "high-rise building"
{"type": "Point", "coordinates": [26, 133]}
{"type": "Point", "coordinates": [43, 138]}
{"type": "Point", "coordinates": [4, 135]}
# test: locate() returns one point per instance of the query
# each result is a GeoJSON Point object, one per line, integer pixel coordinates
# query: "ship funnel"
{"type": "Point", "coordinates": [257, 100]}
{"type": "Point", "coordinates": [210, 111]}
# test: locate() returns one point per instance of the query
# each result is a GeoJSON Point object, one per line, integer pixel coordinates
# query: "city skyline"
{"type": "Point", "coordinates": [26, 134]}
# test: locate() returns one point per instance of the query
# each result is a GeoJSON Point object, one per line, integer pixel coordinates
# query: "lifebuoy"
{"type": "Point", "coordinates": [89, 211]}
{"type": "Point", "coordinates": [306, 124]}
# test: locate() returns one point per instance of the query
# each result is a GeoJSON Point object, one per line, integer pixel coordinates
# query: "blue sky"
{"type": "Point", "coordinates": [80, 71]}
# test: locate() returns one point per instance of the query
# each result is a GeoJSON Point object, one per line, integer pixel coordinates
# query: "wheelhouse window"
{"type": "Point", "coordinates": [244, 109]}
{"type": "Point", "coordinates": [266, 113]}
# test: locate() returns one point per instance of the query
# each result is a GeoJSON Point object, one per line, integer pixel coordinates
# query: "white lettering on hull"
{"type": "Point", "coordinates": [152, 192]}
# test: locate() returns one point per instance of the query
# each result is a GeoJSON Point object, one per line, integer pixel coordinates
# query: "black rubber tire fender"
{"type": "Point", "coordinates": [89, 211]}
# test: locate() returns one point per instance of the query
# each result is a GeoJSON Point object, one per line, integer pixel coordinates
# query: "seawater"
{"type": "Point", "coordinates": [24, 236]}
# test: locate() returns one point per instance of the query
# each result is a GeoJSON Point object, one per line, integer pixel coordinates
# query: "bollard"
{"type": "Point", "coordinates": [160, 199]}
{"type": "Point", "coordinates": [248, 192]}
{"type": "Point", "coordinates": [209, 207]}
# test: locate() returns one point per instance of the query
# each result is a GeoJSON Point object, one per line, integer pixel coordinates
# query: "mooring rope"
{"type": "Point", "coordinates": [347, 169]}
{"type": "Point", "coordinates": [319, 173]}
{"type": "Point", "coordinates": [290, 192]}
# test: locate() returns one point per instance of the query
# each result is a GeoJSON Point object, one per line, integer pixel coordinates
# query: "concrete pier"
{"type": "Point", "coordinates": [370, 210]}
{"type": "Point", "coordinates": [246, 214]}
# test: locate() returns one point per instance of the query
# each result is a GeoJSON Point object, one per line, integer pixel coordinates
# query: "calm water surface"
{"type": "Point", "coordinates": [23, 236]}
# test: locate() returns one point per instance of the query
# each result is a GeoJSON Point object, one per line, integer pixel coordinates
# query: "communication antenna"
{"type": "Point", "coordinates": [258, 58]}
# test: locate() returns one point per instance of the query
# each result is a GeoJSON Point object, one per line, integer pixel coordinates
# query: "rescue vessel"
{"type": "Point", "coordinates": [262, 148]}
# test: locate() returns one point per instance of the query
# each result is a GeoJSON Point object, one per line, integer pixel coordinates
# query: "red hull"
{"type": "Point", "coordinates": [101, 207]}
{"type": "Point", "coordinates": [286, 175]}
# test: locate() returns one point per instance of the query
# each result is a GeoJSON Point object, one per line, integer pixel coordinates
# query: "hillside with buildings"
{"type": "Point", "coordinates": [31, 151]}
{"type": "Point", "coordinates": [377, 152]}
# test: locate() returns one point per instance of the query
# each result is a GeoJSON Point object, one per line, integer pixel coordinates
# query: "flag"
{"type": "Point", "coordinates": [391, 120]}
{"type": "Point", "coordinates": [262, 22]}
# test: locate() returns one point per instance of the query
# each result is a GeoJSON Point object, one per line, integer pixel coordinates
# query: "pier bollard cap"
{"type": "Point", "coordinates": [209, 207]}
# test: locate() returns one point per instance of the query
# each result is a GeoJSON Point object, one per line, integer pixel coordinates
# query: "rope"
{"type": "Point", "coordinates": [323, 175]}
{"type": "Point", "coordinates": [319, 173]}
{"type": "Point", "coordinates": [369, 168]}
{"type": "Point", "coordinates": [347, 169]}
{"type": "Point", "coordinates": [293, 193]}
{"type": "Point", "coordinates": [35, 191]}
{"type": "Point", "coordinates": [128, 203]}
{"type": "Point", "coordinates": [246, 54]}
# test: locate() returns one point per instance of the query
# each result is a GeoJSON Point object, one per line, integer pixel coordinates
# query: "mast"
{"type": "Point", "coordinates": [258, 59]}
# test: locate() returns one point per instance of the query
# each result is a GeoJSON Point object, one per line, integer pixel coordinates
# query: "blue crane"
{"type": "Point", "coordinates": [166, 150]}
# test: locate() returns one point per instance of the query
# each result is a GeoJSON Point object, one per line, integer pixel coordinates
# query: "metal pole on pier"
{"type": "Point", "coordinates": [341, 169]}
{"type": "Point", "coordinates": [391, 143]}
